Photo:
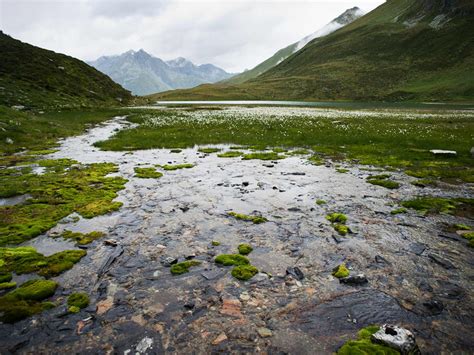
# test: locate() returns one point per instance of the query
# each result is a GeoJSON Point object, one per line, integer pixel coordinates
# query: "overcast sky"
{"type": "Point", "coordinates": [234, 35]}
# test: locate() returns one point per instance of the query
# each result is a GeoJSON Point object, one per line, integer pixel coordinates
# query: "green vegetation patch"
{"type": "Point", "coordinates": [428, 204]}
{"type": "Point", "coordinates": [244, 217]}
{"type": "Point", "coordinates": [320, 202]}
{"type": "Point", "coordinates": [79, 300]}
{"type": "Point", "coordinates": [463, 227]}
{"type": "Point", "coordinates": [26, 300]}
{"type": "Point", "coordinates": [398, 211]}
{"type": "Point", "coordinates": [244, 272]}
{"type": "Point", "coordinates": [7, 285]}
{"type": "Point", "coordinates": [80, 238]}
{"type": "Point", "coordinates": [147, 173]}
{"type": "Point", "coordinates": [470, 238]}
{"type": "Point", "coordinates": [230, 154]}
{"type": "Point", "coordinates": [169, 167]}
{"type": "Point", "coordinates": [232, 259]}
{"type": "Point", "coordinates": [182, 268]}
{"type": "Point", "coordinates": [25, 260]}
{"type": "Point", "coordinates": [316, 160]}
{"type": "Point", "coordinates": [341, 228]}
{"type": "Point", "coordinates": [337, 218]}
{"type": "Point", "coordinates": [245, 249]}
{"type": "Point", "coordinates": [340, 271]}
{"type": "Point", "coordinates": [342, 170]}
{"type": "Point", "coordinates": [215, 243]}
{"type": "Point", "coordinates": [364, 345]}
{"type": "Point", "coordinates": [5, 276]}
{"type": "Point", "coordinates": [209, 150]}
{"type": "Point", "coordinates": [176, 150]}
{"type": "Point", "coordinates": [263, 156]}
{"type": "Point", "coordinates": [66, 187]}
{"type": "Point", "coordinates": [383, 180]}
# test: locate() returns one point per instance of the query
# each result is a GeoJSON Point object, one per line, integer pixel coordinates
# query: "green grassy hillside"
{"type": "Point", "coordinates": [37, 78]}
{"type": "Point", "coordinates": [403, 50]}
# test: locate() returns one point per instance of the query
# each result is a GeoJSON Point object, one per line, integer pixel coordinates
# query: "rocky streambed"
{"type": "Point", "coordinates": [418, 275]}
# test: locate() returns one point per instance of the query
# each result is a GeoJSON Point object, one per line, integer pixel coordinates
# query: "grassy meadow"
{"type": "Point", "coordinates": [395, 138]}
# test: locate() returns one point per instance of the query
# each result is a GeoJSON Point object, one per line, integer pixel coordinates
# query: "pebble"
{"type": "Point", "coordinates": [264, 332]}
{"type": "Point", "coordinates": [220, 338]}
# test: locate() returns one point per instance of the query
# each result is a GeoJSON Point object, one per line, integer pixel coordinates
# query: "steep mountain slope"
{"type": "Point", "coordinates": [403, 50]}
{"type": "Point", "coordinates": [36, 77]}
{"type": "Point", "coordinates": [344, 19]}
{"type": "Point", "coordinates": [144, 74]}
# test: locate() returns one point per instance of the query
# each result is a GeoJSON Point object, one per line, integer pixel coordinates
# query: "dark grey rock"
{"type": "Point", "coordinates": [359, 279]}
{"type": "Point", "coordinates": [168, 261]}
{"type": "Point", "coordinates": [295, 272]}
{"type": "Point", "coordinates": [441, 261]}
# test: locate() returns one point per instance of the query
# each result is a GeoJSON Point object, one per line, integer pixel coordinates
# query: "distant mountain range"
{"type": "Point", "coordinates": [36, 77]}
{"type": "Point", "coordinates": [417, 50]}
{"type": "Point", "coordinates": [344, 19]}
{"type": "Point", "coordinates": [144, 74]}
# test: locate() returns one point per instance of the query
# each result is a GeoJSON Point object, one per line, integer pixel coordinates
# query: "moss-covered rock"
{"type": "Point", "coordinates": [24, 260]}
{"type": "Point", "coordinates": [5, 276]}
{"type": "Point", "coordinates": [245, 217]}
{"type": "Point", "coordinates": [244, 272]}
{"type": "Point", "coordinates": [182, 268]}
{"type": "Point", "coordinates": [341, 229]}
{"type": "Point", "coordinates": [64, 188]}
{"type": "Point", "coordinates": [147, 173]}
{"type": "Point", "coordinates": [169, 167]}
{"type": "Point", "coordinates": [230, 154]}
{"type": "Point", "coordinates": [340, 271]}
{"type": "Point", "coordinates": [209, 150]}
{"type": "Point", "coordinates": [245, 249]}
{"type": "Point", "coordinates": [427, 204]}
{"type": "Point", "coordinates": [232, 259]}
{"type": "Point", "coordinates": [337, 218]}
{"type": "Point", "coordinates": [364, 346]}
{"type": "Point", "coordinates": [74, 309]}
{"type": "Point", "coordinates": [7, 285]}
{"type": "Point", "coordinates": [80, 238]}
{"type": "Point", "coordinates": [399, 211]}
{"type": "Point", "coordinates": [79, 300]}
{"type": "Point", "coordinates": [263, 156]}
{"type": "Point", "coordinates": [26, 300]}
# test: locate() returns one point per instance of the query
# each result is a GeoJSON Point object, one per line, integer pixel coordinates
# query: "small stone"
{"type": "Point", "coordinates": [295, 272]}
{"type": "Point", "coordinates": [244, 296]}
{"type": "Point", "coordinates": [111, 242]}
{"type": "Point", "coordinates": [359, 279]}
{"type": "Point", "coordinates": [168, 261]}
{"type": "Point", "coordinates": [245, 183]}
{"type": "Point", "coordinates": [264, 332]}
{"type": "Point", "coordinates": [160, 247]}
{"type": "Point", "coordinates": [395, 337]}
{"type": "Point", "coordinates": [441, 261]}
{"type": "Point", "coordinates": [231, 307]}
{"type": "Point", "coordinates": [443, 152]}
{"type": "Point", "coordinates": [221, 337]}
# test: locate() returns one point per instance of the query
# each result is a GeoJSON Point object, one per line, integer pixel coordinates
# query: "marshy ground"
{"type": "Point", "coordinates": [296, 185]}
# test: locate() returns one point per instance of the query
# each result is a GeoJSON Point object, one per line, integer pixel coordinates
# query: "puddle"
{"type": "Point", "coordinates": [15, 200]}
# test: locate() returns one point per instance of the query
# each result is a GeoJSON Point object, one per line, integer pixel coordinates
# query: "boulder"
{"type": "Point", "coordinates": [395, 337]}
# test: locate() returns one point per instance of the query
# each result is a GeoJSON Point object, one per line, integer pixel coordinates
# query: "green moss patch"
{"type": "Point", "coordinates": [316, 160]}
{"type": "Point", "coordinates": [215, 243]}
{"type": "Point", "coordinates": [341, 228]}
{"type": "Point", "coordinates": [66, 187]}
{"type": "Point", "coordinates": [340, 271]}
{"type": "Point", "coordinates": [337, 218]}
{"type": "Point", "coordinates": [399, 211]}
{"type": "Point", "coordinates": [383, 180]}
{"type": "Point", "coordinates": [182, 268]}
{"type": "Point", "coordinates": [176, 150]}
{"type": "Point", "coordinates": [147, 173]}
{"type": "Point", "coordinates": [470, 238]}
{"type": "Point", "coordinates": [80, 238]}
{"type": "Point", "coordinates": [176, 166]}
{"type": "Point", "coordinates": [245, 249]}
{"type": "Point", "coordinates": [232, 259]}
{"type": "Point", "coordinates": [463, 227]}
{"type": "Point", "coordinates": [428, 204]}
{"type": "Point", "coordinates": [244, 272]}
{"type": "Point", "coordinates": [5, 276]}
{"type": "Point", "coordinates": [263, 156]}
{"type": "Point", "coordinates": [230, 154]}
{"type": "Point", "coordinates": [244, 217]}
{"type": "Point", "coordinates": [364, 346]}
{"type": "Point", "coordinates": [79, 300]}
{"type": "Point", "coordinates": [209, 150]}
{"type": "Point", "coordinates": [26, 300]}
{"type": "Point", "coordinates": [342, 170]}
{"type": "Point", "coordinates": [25, 260]}
{"type": "Point", "coordinates": [7, 285]}
{"type": "Point", "coordinates": [320, 202]}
